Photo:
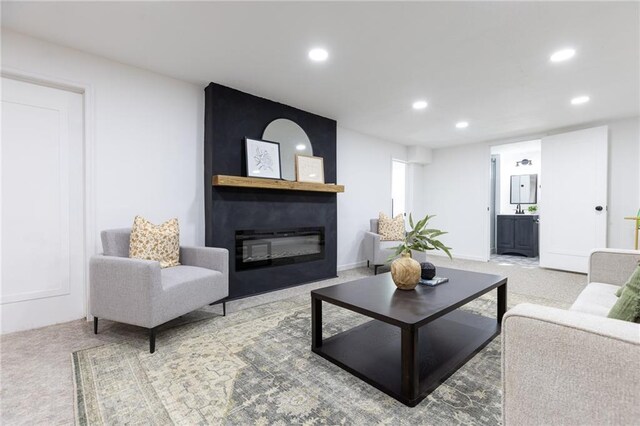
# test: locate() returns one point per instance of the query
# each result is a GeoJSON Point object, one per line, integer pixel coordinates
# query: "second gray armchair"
{"type": "Point", "coordinates": [379, 252]}
{"type": "Point", "coordinates": [139, 292]}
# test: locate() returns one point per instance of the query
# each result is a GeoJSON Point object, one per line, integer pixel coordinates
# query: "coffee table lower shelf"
{"type": "Point", "coordinates": [372, 351]}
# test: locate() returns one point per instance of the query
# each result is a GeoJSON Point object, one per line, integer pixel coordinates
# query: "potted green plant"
{"type": "Point", "coordinates": [405, 271]}
{"type": "Point", "coordinates": [532, 209]}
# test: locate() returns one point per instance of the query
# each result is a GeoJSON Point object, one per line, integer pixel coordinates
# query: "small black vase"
{"type": "Point", "coordinates": [428, 270]}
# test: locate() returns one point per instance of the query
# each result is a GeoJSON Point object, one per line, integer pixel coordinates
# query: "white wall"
{"type": "Point", "coordinates": [149, 147]}
{"type": "Point", "coordinates": [148, 135]}
{"type": "Point", "coordinates": [364, 167]}
{"type": "Point", "coordinates": [455, 187]}
{"type": "Point", "coordinates": [624, 180]}
{"type": "Point", "coordinates": [149, 159]}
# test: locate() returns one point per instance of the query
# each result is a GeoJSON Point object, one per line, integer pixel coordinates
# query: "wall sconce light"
{"type": "Point", "coordinates": [524, 162]}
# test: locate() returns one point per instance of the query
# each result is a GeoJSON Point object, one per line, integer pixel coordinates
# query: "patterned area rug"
{"type": "Point", "coordinates": [256, 367]}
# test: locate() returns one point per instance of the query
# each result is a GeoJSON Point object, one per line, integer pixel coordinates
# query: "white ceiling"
{"type": "Point", "coordinates": [525, 147]}
{"type": "Point", "coordinates": [486, 63]}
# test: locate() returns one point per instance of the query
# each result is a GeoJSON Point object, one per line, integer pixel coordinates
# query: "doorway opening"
{"type": "Point", "coordinates": [514, 188]}
{"type": "Point", "coordinates": [398, 188]}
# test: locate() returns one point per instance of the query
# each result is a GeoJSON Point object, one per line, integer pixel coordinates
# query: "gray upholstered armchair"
{"type": "Point", "coordinates": [378, 252]}
{"type": "Point", "coordinates": [139, 292]}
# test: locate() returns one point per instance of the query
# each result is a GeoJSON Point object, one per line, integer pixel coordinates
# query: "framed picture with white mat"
{"type": "Point", "coordinates": [309, 169]}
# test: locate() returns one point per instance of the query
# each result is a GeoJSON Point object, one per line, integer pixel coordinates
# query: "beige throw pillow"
{"type": "Point", "coordinates": [391, 229]}
{"type": "Point", "coordinates": [155, 242]}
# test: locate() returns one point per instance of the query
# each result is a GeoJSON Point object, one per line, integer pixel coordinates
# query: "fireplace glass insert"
{"type": "Point", "coordinates": [264, 248]}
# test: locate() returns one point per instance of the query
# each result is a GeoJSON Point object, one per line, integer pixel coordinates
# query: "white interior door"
{"type": "Point", "coordinates": [573, 213]}
{"type": "Point", "coordinates": [42, 233]}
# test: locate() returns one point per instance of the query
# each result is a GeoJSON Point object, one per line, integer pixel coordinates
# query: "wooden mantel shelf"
{"type": "Point", "coordinates": [249, 182]}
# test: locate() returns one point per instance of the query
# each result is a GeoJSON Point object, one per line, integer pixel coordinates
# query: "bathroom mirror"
{"type": "Point", "coordinates": [292, 139]}
{"type": "Point", "coordinates": [524, 189]}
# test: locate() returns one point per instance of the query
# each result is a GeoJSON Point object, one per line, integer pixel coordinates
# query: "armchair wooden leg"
{"type": "Point", "coordinates": [95, 325]}
{"type": "Point", "coordinates": [152, 340]}
{"type": "Point", "coordinates": [367, 263]}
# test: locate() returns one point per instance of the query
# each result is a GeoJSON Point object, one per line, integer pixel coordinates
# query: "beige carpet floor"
{"type": "Point", "coordinates": [36, 385]}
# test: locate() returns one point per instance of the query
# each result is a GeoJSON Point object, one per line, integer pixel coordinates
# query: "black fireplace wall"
{"type": "Point", "coordinates": [230, 116]}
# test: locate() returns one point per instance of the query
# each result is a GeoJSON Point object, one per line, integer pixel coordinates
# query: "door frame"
{"type": "Point", "coordinates": [494, 201]}
{"type": "Point", "coordinates": [406, 185]}
{"type": "Point", "coordinates": [496, 143]}
{"type": "Point", "coordinates": [88, 143]}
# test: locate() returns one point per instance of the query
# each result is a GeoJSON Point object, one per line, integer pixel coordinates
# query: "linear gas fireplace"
{"type": "Point", "coordinates": [260, 248]}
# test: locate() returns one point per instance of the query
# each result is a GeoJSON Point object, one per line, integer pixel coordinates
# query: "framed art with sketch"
{"type": "Point", "coordinates": [262, 158]}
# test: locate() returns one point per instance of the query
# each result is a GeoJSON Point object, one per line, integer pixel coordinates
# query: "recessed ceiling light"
{"type": "Point", "coordinates": [318, 54]}
{"type": "Point", "coordinates": [301, 147]}
{"type": "Point", "coordinates": [580, 100]}
{"type": "Point", "coordinates": [562, 55]}
{"type": "Point", "coordinates": [462, 124]}
{"type": "Point", "coordinates": [420, 104]}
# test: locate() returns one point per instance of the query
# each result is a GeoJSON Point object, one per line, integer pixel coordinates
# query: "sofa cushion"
{"type": "Point", "coordinates": [389, 245]}
{"type": "Point", "coordinates": [596, 299]}
{"type": "Point", "coordinates": [627, 308]}
{"type": "Point", "coordinates": [619, 292]}
{"type": "Point", "coordinates": [115, 242]}
{"type": "Point", "coordinates": [186, 288]}
{"type": "Point", "coordinates": [155, 242]}
{"type": "Point", "coordinates": [180, 275]}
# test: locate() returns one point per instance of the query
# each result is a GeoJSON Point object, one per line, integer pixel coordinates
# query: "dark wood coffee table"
{"type": "Point", "coordinates": [416, 339]}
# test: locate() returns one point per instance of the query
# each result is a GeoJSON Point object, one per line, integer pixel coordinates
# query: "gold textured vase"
{"type": "Point", "coordinates": [405, 272]}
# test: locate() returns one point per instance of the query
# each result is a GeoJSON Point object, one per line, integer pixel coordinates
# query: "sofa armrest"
{"type": "Point", "coordinates": [612, 266]}
{"type": "Point", "coordinates": [566, 367]}
{"type": "Point", "coordinates": [124, 289]}
{"type": "Point", "coordinates": [206, 257]}
{"type": "Point", "coordinates": [371, 245]}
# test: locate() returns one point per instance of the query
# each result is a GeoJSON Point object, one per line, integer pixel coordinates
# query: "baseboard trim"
{"type": "Point", "coordinates": [353, 265]}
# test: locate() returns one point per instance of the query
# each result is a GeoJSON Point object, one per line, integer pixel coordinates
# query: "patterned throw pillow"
{"type": "Point", "coordinates": [391, 229]}
{"type": "Point", "coordinates": [155, 242]}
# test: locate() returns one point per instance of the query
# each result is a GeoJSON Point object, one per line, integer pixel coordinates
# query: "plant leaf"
{"type": "Point", "coordinates": [420, 238]}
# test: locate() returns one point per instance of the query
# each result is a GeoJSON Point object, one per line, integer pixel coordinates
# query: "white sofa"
{"type": "Point", "coordinates": [576, 366]}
